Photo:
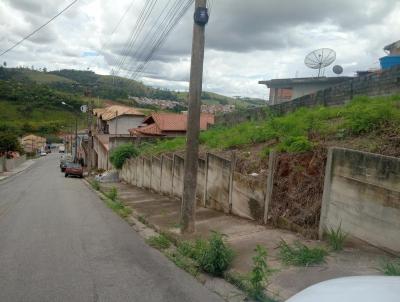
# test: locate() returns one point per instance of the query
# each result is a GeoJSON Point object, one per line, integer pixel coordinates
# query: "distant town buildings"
{"type": "Point", "coordinates": [162, 104]}
{"type": "Point", "coordinates": [215, 109]}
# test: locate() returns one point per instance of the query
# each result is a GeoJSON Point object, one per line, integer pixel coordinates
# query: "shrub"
{"type": "Point", "coordinates": [159, 242]}
{"type": "Point", "coordinates": [295, 144]}
{"type": "Point", "coordinates": [336, 238]}
{"type": "Point", "coordinates": [216, 256]}
{"type": "Point", "coordinates": [300, 254]}
{"type": "Point", "coordinates": [113, 194]}
{"type": "Point", "coordinates": [259, 274]}
{"type": "Point", "coordinates": [391, 268]}
{"type": "Point", "coordinates": [121, 153]}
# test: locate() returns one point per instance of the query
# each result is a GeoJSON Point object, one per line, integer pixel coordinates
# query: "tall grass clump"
{"type": "Point", "coordinates": [336, 238]}
{"type": "Point", "coordinates": [113, 194]}
{"type": "Point", "coordinates": [300, 254]}
{"type": "Point", "coordinates": [391, 268]}
{"type": "Point", "coordinates": [95, 184]}
{"type": "Point", "coordinates": [216, 256]}
{"type": "Point", "coordinates": [159, 242]}
{"type": "Point", "coordinates": [365, 114]}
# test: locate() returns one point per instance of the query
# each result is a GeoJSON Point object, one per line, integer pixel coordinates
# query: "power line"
{"type": "Point", "coordinates": [160, 41]}
{"type": "Point", "coordinates": [141, 22]}
{"type": "Point", "coordinates": [38, 29]}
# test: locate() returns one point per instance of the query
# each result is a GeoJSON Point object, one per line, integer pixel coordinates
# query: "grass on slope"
{"type": "Point", "coordinates": [45, 78]}
{"type": "Point", "coordinates": [301, 130]}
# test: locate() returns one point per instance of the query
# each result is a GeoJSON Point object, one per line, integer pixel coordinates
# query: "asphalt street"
{"type": "Point", "coordinates": [59, 242]}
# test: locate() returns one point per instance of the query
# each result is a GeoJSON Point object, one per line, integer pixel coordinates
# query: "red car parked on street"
{"type": "Point", "coordinates": [73, 169]}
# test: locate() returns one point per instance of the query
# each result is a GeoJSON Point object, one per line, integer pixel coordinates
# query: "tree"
{"type": "Point", "coordinates": [9, 142]}
{"type": "Point", "coordinates": [5, 64]}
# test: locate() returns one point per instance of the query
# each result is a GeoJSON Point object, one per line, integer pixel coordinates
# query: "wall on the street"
{"type": "Point", "coordinates": [248, 196]}
{"type": "Point", "coordinates": [11, 164]}
{"type": "Point", "coordinates": [201, 180]}
{"type": "Point", "coordinates": [140, 172]}
{"type": "Point", "coordinates": [166, 175]}
{"type": "Point", "coordinates": [379, 83]}
{"type": "Point", "coordinates": [362, 195]}
{"type": "Point", "coordinates": [218, 181]}
{"type": "Point", "coordinates": [156, 174]}
{"type": "Point", "coordinates": [178, 172]}
{"type": "Point", "coordinates": [2, 164]}
{"type": "Point", "coordinates": [217, 186]}
{"type": "Point", "coordinates": [146, 173]}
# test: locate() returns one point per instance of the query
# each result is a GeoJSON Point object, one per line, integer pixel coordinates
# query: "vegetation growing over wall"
{"type": "Point", "coordinates": [303, 129]}
{"type": "Point", "coordinates": [121, 153]}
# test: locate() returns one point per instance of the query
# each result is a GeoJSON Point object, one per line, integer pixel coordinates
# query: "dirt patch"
{"type": "Point", "coordinates": [297, 192]}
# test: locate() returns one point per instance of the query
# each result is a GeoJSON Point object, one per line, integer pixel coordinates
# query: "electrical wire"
{"type": "Point", "coordinates": [162, 38]}
{"type": "Point", "coordinates": [136, 33]}
{"type": "Point", "coordinates": [39, 28]}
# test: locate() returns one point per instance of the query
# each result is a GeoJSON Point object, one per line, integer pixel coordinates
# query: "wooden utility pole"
{"type": "Point", "coordinates": [188, 211]}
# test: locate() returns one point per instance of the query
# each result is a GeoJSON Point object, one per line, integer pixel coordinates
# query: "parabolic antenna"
{"type": "Point", "coordinates": [337, 69]}
{"type": "Point", "coordinates": [320, 58]}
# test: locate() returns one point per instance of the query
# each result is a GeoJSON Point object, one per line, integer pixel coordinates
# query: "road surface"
{"type": "Point", "coordinates": [58, 242]}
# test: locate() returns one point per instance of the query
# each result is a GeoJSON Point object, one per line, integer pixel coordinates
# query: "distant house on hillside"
{"type": "Point", "coordinates": [33, 143]}
{"type": "Point", "coordinates": [168, 125]}
{"type": "Point", "coordinates": [285, 90]}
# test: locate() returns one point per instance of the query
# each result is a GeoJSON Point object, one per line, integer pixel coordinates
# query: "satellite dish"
{"type": "Point", "coordinates": [84, 108]}
{"type": "Point", "coordinates": [320, 58]}
{"type": "Point", "coordinates": [337, 69]}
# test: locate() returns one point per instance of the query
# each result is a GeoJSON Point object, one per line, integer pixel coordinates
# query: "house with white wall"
{"type": "Point", "coordinates": [110, 122]}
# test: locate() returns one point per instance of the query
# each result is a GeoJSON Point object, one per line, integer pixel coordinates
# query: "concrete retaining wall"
{"type": "Point", "coordinates": [147, 173]}
{"type": "Point", "coordinates": [218, 183]}
{"type": "Point", "coordinates": [248, 197]}
{"type": "Point", "coordinates": [8, 165]}
{"type": "Point", "coordinates": [362, 194]}
{"type": "Point", "coordinates": [178, 172]}
{"type": "Point", "coordinates": [156, 174]}
{"type": "Point", "coordinates": [140, 172]}
{"type": "Point", "coordinates": [166, 175]}
{"type": "Point", "coordinates": [201, 180]}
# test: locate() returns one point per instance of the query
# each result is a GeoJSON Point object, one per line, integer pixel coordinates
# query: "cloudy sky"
{"type": "Point", "coordinates": [247, 40]}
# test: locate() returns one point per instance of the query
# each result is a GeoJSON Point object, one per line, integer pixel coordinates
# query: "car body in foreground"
{"type": "Point", "coordinates": [73, 169]}
{"type": "Point", "coordinates": [352, 289]}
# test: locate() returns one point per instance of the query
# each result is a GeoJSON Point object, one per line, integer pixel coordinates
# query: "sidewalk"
{"type": "Point", "coordinates": [162, 212]}
{"type": "Point", "coordinates": [19, 169]}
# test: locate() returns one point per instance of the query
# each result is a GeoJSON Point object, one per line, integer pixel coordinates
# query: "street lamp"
{"type": "Point", "coordinates": [76, 130]}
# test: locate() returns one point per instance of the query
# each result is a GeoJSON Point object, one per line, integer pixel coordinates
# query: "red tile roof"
{"type": "Point", "coordinates": [159, 123]}
{"type": "Point", "coordinates": [112, 112]}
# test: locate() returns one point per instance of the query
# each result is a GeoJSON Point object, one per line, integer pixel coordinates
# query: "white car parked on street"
{"type": "Point", "coordinates": [352, 289]}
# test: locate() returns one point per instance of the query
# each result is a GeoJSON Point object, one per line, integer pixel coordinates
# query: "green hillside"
{"type": "Point", "coordinates": [28, 106]}
{"type": "Point", "coordinates": [30, 100]}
